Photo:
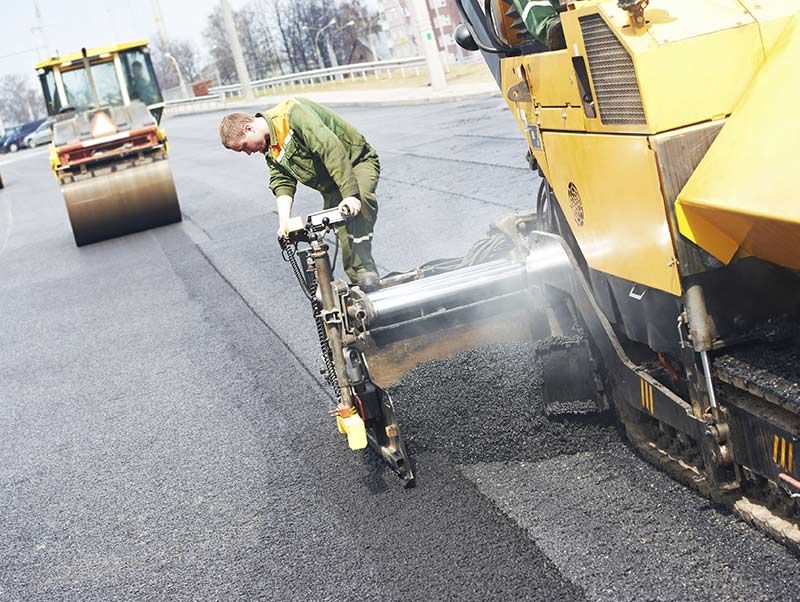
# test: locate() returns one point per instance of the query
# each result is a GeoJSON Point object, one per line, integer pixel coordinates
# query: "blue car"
{"type": "Point", "coordinates": [15, 140]}
{"type": "Point", "coordinates": [9, 132]}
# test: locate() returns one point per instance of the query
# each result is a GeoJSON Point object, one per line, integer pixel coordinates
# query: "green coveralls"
{"type": "Point", "coordinates": [537, 16]}
{"type": "Point", "coordinates": [323, 151]}
{"type": "Point", "coordinates": [143, 89]}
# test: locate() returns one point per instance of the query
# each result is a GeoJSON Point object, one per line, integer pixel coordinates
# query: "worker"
{"type": "Point", "coordinates": [543, 22]}
{"type": "Point", "coordinates": [305, 142]}
{"type": "Point", "coordinates": [140, 87]}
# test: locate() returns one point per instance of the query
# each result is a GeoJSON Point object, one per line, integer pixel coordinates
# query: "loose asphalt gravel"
{"type": "Point", "coordinates": [485, 405]}
{"type": "Point", "coordinates": [165, 434]}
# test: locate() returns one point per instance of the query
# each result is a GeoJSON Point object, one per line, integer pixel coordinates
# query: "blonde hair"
{"type": "Point", "coordinates": [231, 128]}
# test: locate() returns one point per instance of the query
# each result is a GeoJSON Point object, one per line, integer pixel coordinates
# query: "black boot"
{"type": "Point", "coordinates": [368, 281]}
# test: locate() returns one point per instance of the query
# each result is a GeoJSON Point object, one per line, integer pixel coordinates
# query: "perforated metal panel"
{"type": "Point", "coordinates": [613, 75]}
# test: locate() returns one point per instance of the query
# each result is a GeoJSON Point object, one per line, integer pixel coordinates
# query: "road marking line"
{"type": "Point", "coordinates": [9, 223]}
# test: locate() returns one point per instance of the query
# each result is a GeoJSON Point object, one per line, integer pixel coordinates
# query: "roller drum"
{"type": "Point", "coordinates": [122, 202]}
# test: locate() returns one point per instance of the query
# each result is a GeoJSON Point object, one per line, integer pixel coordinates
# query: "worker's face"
{"type": "Point", "coordinates": [137, 71]}
{"type": "Point", "coordinates": [252, 142]}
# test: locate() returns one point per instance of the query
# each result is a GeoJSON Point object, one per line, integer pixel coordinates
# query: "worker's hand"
{"type": "Point", "coordinates": [350, 206]}
{"type": "Point", "coordinates": [283, 228]}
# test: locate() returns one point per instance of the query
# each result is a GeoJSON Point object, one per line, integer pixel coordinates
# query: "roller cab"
{"type": "Point", "coordinates": [108, 151]}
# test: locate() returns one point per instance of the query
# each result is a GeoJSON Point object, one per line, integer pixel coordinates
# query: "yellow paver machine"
{"type": "Point", "coordinates": [662, 254]}
{"type": "Point", "coordinates": [108, 151]}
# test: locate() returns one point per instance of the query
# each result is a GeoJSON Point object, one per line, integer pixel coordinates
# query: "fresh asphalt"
{"type": "Point", "coordinates": [164, 432]}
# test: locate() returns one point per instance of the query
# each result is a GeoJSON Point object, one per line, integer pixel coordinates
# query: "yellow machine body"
{"type": "Point", "coordinates": [666, 228]}
{"type": "Point", "coordinates": [66, 59]}
{"type": "Point", "coordinates": [743, 197]}
{"type": "Point", "coordinates": [627, 209]}
{"type": "Point", "coordinates": [726, 64]}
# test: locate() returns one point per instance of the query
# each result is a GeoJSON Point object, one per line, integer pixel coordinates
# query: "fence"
{"type": "Point", "coordinates": [376, 68]}
{"type": "Point", "coordinates": [218, 94]}
{"type": "Point", "coordinates": [194, 104]}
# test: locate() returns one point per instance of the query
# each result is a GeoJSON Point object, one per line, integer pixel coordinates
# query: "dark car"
{"type": "Point", "coordinates": [12, 131]}
{"type": "Point", "coordinates": [13, 142]}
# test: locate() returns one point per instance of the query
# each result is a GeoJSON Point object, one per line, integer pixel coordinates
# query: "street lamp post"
{"type": "Point", "coordinates": [331, 53]}
{"type": "Point", "coordinates": [316, 39]}
{"type": "Point", "coordinates": [181, 81]}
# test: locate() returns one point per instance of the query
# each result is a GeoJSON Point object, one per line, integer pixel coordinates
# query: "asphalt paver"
{"type": "Point", "coordinates": [165, 432]}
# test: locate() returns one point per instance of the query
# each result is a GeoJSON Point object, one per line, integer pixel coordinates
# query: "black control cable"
{"type": "Point", "coordinates": [289, 254]}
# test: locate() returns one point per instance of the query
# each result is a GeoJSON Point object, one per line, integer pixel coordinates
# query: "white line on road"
{"type": "Point", "coordinates": [9, 159]}
{"type": "Point", "coordinates": [5, 224]}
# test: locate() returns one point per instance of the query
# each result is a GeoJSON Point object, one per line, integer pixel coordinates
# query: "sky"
{"type": "Point", "coordinates": [70, 25]}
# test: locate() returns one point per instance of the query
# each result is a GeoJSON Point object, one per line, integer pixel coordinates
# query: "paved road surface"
{"type": "Point", "coordinates": [164, 432]}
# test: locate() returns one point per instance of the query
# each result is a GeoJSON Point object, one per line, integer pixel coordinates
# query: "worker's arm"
{"type": "Point", "coordinates": [326, 145]}
{"type": "Point", "coordinates": [284, 205]}
{"type": "Point", "coordinates": [280, 182]}
{"type": "Point", "coordinates": [283, 186]}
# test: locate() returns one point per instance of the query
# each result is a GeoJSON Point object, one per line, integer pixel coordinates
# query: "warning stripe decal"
{"type": "Point", "coordinates": [646, 395]}
{"type": "Point", "coordinates": [782, 452]}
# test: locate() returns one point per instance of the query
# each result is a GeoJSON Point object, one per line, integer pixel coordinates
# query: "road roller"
{"type": "Point", "coordinates": [661, 252]}
{"type": "Point", "coordinates": [107, 151]}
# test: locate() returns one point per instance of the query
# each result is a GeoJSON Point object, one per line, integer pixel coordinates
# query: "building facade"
{"type": "Point", "coordinates": [398, 22]}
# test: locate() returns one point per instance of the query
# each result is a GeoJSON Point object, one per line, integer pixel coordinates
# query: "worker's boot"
{"type": "Point", "coordinates": [367, 280]}
{"type": "Point", "coordinates": [555, 36]}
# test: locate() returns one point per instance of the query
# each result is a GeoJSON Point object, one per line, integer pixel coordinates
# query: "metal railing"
{"type": "Point", "coordinates": [218, 94]}
{"type": "Point", "coordinates": [357, 70]}
{"type": "Point", "coordinates": [194, 103]}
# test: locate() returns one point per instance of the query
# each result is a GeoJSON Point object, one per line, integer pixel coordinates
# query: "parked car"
{"type": "Point", "coordinates": [41, 135]}
{"type": "Point", "coordinates": [15, 141]}
{"type": "Point", "coordinates": [11, 131]}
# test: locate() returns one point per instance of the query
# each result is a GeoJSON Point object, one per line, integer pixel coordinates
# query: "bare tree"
{"type": "Point", "coordinates": [344, 42]}
{"type": "Point", "coordinates": [186, 56]}
{"type": "Point", "coordinates": [257, 33]}
{"type": "Point", "coordinates": [219, 49]}
{"type": "Point", "coordinates": [255, 24]}
{"type": "Point", "coordinates": [279, 35]}
{"type": "Point", "coordinates": [20, 102]}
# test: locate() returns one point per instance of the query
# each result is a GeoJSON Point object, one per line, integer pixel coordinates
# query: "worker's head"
{"type": "Point", "coordinates": [243, 133]}
{"type": "Point", "coordinates": [136, 69]}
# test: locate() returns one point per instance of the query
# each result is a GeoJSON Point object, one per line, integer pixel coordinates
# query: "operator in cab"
{"type": "Point", "coordinates": [140, 87]}
{"type": "Point", "coordinates": [305, 142]}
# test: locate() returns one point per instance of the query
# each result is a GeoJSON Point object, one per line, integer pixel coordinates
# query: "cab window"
{"type": "Point", "coordinates": [51, 99]}
{"type": "Point", "coordinates": [141, 79]}
{"type": "Point", "coordinates": [76, 86]}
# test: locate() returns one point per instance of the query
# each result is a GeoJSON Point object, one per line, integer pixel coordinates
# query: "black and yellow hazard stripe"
{"type": "Point", "coordinates": [782, 452]}
{"type": "Point", "coordinates": [646, 395]}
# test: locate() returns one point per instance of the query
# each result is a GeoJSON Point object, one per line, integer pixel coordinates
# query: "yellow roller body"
{"type": "Point", "coordinates": [744, 196]}
{"type": "Point", "coordinates": [121, 202]}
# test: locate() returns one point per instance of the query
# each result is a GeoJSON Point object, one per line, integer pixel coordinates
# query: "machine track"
{"type": "Point", "coordinates": [753, 511]}
{"type": "Point", "coordinates": [768, 369]}
{"type": "Point", "coordinates": [761, 377]}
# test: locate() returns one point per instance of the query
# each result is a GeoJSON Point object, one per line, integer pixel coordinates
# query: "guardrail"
{"type": "Point", "coordinates": [194, 103]}
{"type": "Point", "coordinates": [414, 63]}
